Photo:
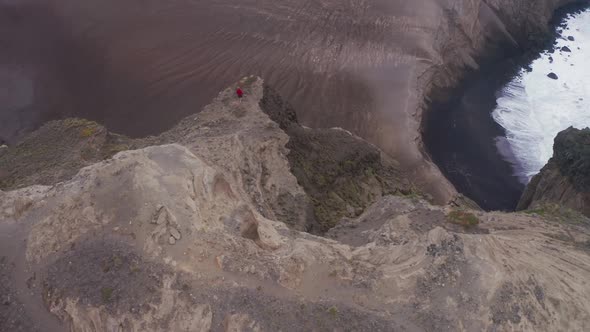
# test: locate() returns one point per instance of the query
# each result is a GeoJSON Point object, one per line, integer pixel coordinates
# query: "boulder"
{"type": "Point", "coordinates": [552, 76]}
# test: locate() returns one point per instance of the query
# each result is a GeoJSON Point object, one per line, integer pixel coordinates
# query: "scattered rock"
{"type": "Point", "coordinates": [566, 49]}
{"type": "Point", "coordinates": [552, 76]}
{"type": "Point", "coordinates": [550, 59]}
{"type": "Point", "coordinates": [171, 240]}
{"type": "Point", "coordinates": [219, 261]}
{"type": "Point", "coordinates": [570, 38]}
{"type": "Point", "coordinates": [162, 216]}
{"type": "Point", "coordinates": [349, 210]}
{"type": "Point", "coordinates": [175, 233]}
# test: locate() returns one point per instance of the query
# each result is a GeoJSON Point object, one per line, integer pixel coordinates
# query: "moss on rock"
{"type": "Point", "coordinates": [342, 173]}
{"type": "Point", "coordinates": [56, 151]}
{"type": "Point", "coordinates": [571, 152]}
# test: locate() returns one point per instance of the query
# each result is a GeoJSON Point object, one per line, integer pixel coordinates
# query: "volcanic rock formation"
{"type": "Point", "coordinates": [200, 229]}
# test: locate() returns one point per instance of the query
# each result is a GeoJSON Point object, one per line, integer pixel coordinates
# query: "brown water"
{"type": "Point", "coordinates": [139, 66]}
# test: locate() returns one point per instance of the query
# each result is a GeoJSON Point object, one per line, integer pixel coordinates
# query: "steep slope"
{"type": "Point", "coordinates": [343, 174]}
{"type": "Point", "coordinates": [176, 237]}
{"type": "Point", "coordinates": [370, 67]}
{"type": "Point", "coordinates": [238, 137]}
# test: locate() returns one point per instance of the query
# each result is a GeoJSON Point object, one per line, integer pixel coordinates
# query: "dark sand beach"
{"type": "Point", "coordinates": [461, 138]}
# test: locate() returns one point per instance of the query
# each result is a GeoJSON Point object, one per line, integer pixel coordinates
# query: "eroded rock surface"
{"type": "Point", "coordinates": [244, 138]}
{"type": "Point", "coordinates": [96, 252]}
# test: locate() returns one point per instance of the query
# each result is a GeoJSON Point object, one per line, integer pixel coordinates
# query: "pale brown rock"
{"type": "Point", "coordinates": [175, 233]}
{"type": "Point", "coordinates": [403, 264]}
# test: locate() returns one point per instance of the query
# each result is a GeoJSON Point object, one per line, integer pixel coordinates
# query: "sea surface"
{"type": "Point", "coordinates": [533, 108]}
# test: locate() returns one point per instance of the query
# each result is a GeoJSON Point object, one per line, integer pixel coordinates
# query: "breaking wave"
{"type": "Point", "coordinates": [533, 107]}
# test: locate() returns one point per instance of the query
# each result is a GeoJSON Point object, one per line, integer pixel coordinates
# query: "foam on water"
{"type": "Point", "coordinates": [533, 108]}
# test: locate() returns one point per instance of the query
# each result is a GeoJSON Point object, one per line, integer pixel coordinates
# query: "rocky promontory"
{"type": "Point", "coordinates": [565, 180]}
{"type": "Point", "coordinates": [338, 182]}
{"type": "Point", "coordinates": [208, 227]}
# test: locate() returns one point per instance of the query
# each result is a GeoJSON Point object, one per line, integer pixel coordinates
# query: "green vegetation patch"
{"type": "Point", "coordinates": [107, 294]}
{"type": "Point", "coordinates": [77, 122]}
{"type": "Point", "coordinates": [463, 218]}
{"type": "Point", "coordinates": [558, 213]}
{"type": "Point", "coordinates": [333, 311]}
{"type": "Point", "coordinates": [248, 80]}
{"type": "Point", "coordinates": [88, 131]}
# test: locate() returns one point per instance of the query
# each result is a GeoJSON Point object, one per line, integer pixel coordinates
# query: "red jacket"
{"type": "Point", "coordinates": [239, 92]}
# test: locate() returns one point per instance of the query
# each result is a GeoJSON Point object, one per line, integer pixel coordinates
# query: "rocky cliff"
{"type": "Point", "coordinates": [565, 180]}
{"type": "Point", "coordinates": [336, 182]}
{"type": "Point", "coordinates": [200, 229]}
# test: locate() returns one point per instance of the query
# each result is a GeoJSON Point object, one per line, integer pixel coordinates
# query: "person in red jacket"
{"type": "Point", "coordinates": [239, 92]}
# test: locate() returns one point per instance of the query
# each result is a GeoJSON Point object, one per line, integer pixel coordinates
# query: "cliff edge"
{"type": "Point", "coordinates": [201, 229]}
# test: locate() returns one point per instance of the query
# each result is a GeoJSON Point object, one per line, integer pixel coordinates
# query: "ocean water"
{"type": "Point", "coordinates": [533, 108]}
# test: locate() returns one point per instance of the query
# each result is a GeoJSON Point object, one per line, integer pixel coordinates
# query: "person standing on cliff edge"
{"type": "Point", "coordinates": [239, 92]}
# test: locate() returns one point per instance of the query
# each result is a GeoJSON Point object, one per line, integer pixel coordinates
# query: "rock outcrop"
{"type": "Point", "coordinates": [192, 236]}
{"type": "Point", "coordinates": [56, 152]}
{"type": "Point", "coordinates": [343, 174]}
{"type": "Point", "coordinates": [337, 182]}
{"type": "Point", "coordinates": [565, 180]}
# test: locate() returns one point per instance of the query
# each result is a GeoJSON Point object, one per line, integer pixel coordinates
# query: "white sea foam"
{"type": "Point", "coordinates": [533, 108]}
